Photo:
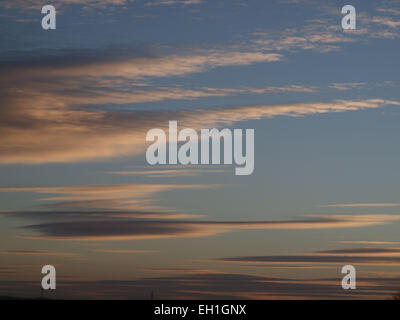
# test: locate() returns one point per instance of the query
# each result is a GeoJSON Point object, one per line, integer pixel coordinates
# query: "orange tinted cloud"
{"type": "Point", "coordinates": [55, 124]}
{"type": "Point", "coordinates": [121, 201]}
{"type": "Point", "coordinates": [362, 205]}
{"type": "Point", "coordinates": [33, 136]}
{"type": "Point", "coordinates": [38, 253]}
{"type": "Point", "coordinates": [124, 229]}
{"type": "Point", "coordinates": [356, 256]}
{"type": "Point", "coordinates": [168, 173]}
{"type": "Point", "coordinates": [128, 251]}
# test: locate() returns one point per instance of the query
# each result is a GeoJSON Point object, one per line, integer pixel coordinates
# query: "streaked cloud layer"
{"type": "Point", "coordinates": [356, 256]}
{"type": "Point", "coordinates": [125, 200]}
{"type": "Point", "coordinates": [139, 229]}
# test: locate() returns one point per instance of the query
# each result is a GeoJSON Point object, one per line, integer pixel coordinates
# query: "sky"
{"type": "Point", "coordinates": [77, 193]}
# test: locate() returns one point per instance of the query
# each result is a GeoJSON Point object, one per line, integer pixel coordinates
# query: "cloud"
{"type": "Point", "coordinates": [361, 205]}
{"type": "Point", "coordinates": [119, 201]}
{"type": "Point", "coordinates": [78, 87]}
{"type": "Point", "coordinates": [291, 88]}
{"type": "Point", "coordinates": [173, 2]}
{"type": "Point", "coordinates": [324, 34]}
{"type": "Point", "coordinates": [347, 85]}
{"type": "Point", "coordinates": [88, 211]}
{"type": "Point", "coordinates": [124, 251]}
{"type": "Point", "coordinates": [171, 172]}
{"type": "Point", "coordinates": [386, 21]}
{"type": "Point", "coordinates": [123, 229]}
{"type": "Point", "coordinates": [389, 10]}
{"type": "Point", "coordinates": [365, 256]}
{"type": "Point", "coordinates": [33, 120]}
{"type": "Point", "coordinates": [33, 135]}
{"type": "Point", "coordinates": [368, 242]}
{"type": "Point", "coordinates": [38, 253]}
{"type": "Point", "coordinates": [155, 66]}
{"type": "Point", "coordinates": [174, 271]}
{"type": "Point", "coordinates": [365, 252]}
{"type": "Point", "coordinates": [122, 212]}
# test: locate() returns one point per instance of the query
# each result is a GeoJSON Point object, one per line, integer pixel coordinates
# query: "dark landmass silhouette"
{"type": "Point", "coordinates": [22, 298]}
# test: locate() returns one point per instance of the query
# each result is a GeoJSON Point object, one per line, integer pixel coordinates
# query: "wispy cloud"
{"type": "Point", "coordinates": [393, 11]}
{"type": "Point", "coordinates": [387, 22]}
{"type": "Point", "coordinates": [163, 66]}
{"type": "Point", "coordinates": [168, 173]}
{"type": "Point", "coordinates": [369, 242]}
{"type": "Point", "coordinates": [140, 229]}
{"type": "Point", "coordinates": [368, 256]}
{"type": "Point", "coordinates": [33, 135]}
{"type": "Point", "coordinates": [324, 33]}
{"type": "Point", "coordinates": [348, 85]}
{"type": "Point", "coordinates": [125, 200]}
{"type": "Point", "coordinates": [173, 2]}
{"type": "Point", "coordinates": [322, 36]}
{"type": "Point", "coordinates": [361, 205]}
{"type": "Point", "coordinates": [38, 253]}
{"type": "Point", "coordinates": [122, 251]}
{"type": "Point", "coordinates": [78, 86]}
{"type": "Point", "coordinates": [31, 117]}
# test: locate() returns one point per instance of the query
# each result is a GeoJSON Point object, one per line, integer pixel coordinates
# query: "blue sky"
{"type": "Point", "coordinates": [75, 189]}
